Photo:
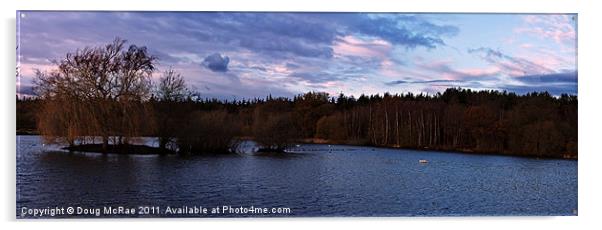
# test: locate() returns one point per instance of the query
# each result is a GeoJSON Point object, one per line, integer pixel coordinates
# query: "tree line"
{"type": "Point", "coordinates": [107, 93]}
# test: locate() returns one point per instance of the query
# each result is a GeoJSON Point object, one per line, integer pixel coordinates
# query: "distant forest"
{"type": "Point", "coordinates": [106, 92]}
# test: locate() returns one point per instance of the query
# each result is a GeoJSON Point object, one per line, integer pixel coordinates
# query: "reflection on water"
{"type": "Point", "coordinates": [316, 180]}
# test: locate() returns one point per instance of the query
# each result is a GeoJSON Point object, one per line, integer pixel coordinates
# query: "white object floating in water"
{"type": "Point", "coordinates": [423, 161]}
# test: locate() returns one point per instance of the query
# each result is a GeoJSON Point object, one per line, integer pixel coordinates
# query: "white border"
{"type": "Point", "coordinates": [589, 112]}
{"type": "Point", "coordinates": [550, 6]}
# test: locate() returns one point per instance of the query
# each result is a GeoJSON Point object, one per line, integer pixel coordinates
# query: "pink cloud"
{"type": "Point", "coordinates": [526, 45]}
{"type": "Point", "coordinates": [28, 70]}
{"type": "Point", "coordinates": [551, 59]}
{"type": "Point", "coordinates": [514, 65]}
{"type": "Point", "coordinates": [353, 46]}
{"type": "Point", "coordinates": [492, 70]}
{"type": "Point", "coordinates": [559, 28]}
{"type": "Point", "coordinates": [388, 68]}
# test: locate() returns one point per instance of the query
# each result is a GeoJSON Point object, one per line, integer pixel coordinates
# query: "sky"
{"type": "Point", "coordinates": [235, 55]}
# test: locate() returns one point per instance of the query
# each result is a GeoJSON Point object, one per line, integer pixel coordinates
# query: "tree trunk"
{"type": "Point", "coordinates": [396, 126]}
{"type": "Point", "coordinates": [105, 144]}
{"type": "Point", "coordinates": [386, 140]}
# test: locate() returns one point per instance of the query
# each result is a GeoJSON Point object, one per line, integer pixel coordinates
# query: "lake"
{"type": "Point", "coordinates": [315, 180]}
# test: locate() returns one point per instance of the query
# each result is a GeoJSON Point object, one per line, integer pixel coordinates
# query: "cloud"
{"type": "Point", "coordinates": [554, 89]}
{"type": "Point", "coordinates": [568, 78]}
{"type": "Point", "coordinates": [297, 52]}
{"type": "Point", "coordinates": [283, 46]}
{"type": "Point", "coordinates": [216, 62]}
{"type": "Point", "coordinates": [444, 69]}
{"type": "Point", "coordinates": [561, 28]}
{"type": "Point", "coordinates": [265, 35]}
{"type": "Point", "coordinates": [410, 31]}
{"type": "Point", "coordinates": [311, 34]}
{"type": "Point", "coordinates": [315, 77]}
{"type": "Point", "coordinates": [512, 66]}
{"type": "Point", "coordinates": [555, 83]}
{"type": "Point", "coordinates": [292, 65]}
{"type": "Point", "coordinates": [401, 82]}
{"type": "Point", "coordinates": [353, 46]}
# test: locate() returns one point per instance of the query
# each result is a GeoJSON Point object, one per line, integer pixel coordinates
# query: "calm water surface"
{"type": "Point", "coordinates": [316, 180]}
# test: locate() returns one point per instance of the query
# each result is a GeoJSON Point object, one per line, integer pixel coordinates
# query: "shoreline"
{"type": "Point", "coordinates": [136, 149]}
{"type": "Point", "coordinates": [425, 149]}
{"type": "Point", "coordinates": [131, 149]}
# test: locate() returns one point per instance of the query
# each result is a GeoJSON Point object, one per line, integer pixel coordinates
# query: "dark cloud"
{"type": "Point", "coordinates": [278, 35]}
{"type": "Point", "coordinates": [312, 34]}
{"type": "Point", "coordinates": [398, 82]}
{"type": "Point", "coordinates": [292, 65]}
{"type": "Point", "coordinates": [555, 83]}
{"type": "Point", "coordinates": [569, 78]}
{"type": "Point", "coordinates": [409, 31]}
{"type": "Point", "coordinates": [275, 35]}
{"type": "Point", "coordinates": [263, 69]}
{"type": "Point", "coordinates": [302, 34]}
{"type": "Point", "coordinates": [281, 46]}
{"type": "Point", "coordinates": [216, 62]}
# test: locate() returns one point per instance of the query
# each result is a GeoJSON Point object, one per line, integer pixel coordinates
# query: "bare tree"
{"type": "Point", "coordinates": [172, 86]}
{"type": "Point", "coordinates": [170, 91]}
{"type": "Point", "coordinates": [107, 83]}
